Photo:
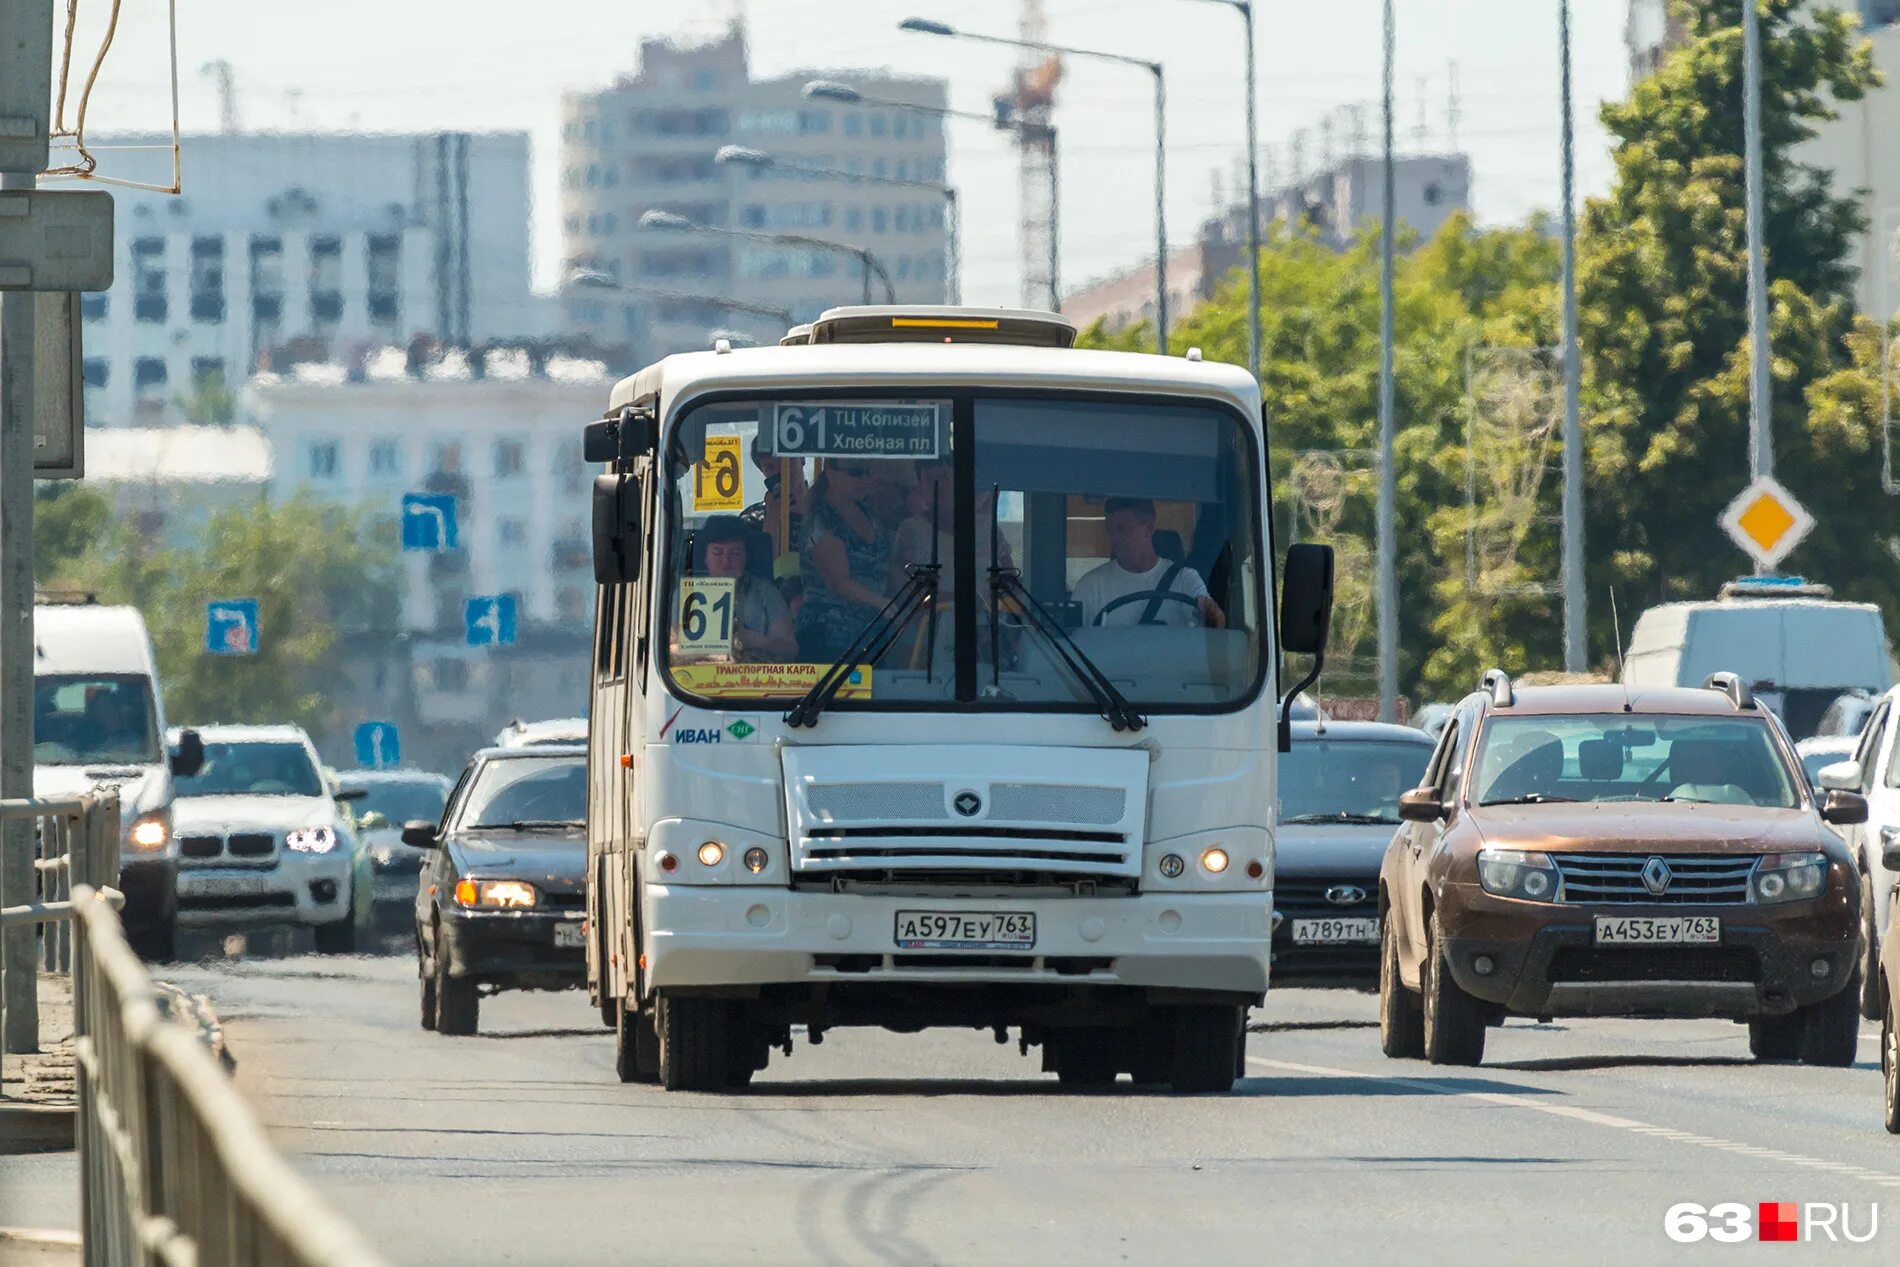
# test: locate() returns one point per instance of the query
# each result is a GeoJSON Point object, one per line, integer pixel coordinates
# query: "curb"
{"type": "Point", "coordinates": [35, 1128]}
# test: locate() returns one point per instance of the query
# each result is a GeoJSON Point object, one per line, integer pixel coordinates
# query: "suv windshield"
{"type": "Point", "coordinates": [1348, 781]}
{"type": "Point", "coordinates": [511, 791]}
{"type": "Point", "coordinates": [1632, 757]}
{"type": "Point", "coordinates": [254, 769]}
{"type": "Point", "coordinates": [93, 719]}
{"type": "Point", "coordinates": [1132, 524]}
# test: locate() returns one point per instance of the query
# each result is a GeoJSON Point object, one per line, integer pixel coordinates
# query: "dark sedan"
{"type": "Point", "coordinates": [502, 896]}
{"type": "Point", "coordinates": [1339, 806]}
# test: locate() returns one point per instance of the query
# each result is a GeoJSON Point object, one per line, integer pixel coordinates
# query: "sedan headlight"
{"type": "Point", "coordinates": [1790, 877]}
{"type": "Point", "coordinates": [312, 839]}
{"type": "Point", "coordinates": [150, 831]}
{"type": "Point", "coordinates": [1518, 873]}
{"type": "Point", "coordinates": [508, 894]}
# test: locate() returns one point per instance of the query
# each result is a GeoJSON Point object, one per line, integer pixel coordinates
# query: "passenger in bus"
{"type": "Point", "coordinates": [1134, 567]}
{"type": "Point", "coordinates": [762, 623]}
{"type": "Point", "coordinates": [933, 487]}
{"type": "Point", "coordinates": [846, 562]}
{"type": "Point", "coordinates": [764, 514]}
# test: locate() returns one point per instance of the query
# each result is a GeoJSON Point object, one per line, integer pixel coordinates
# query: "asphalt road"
{"type": "Point", "coordinates": [520, 1146]}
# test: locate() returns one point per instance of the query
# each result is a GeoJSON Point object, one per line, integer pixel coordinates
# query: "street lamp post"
{"type": "Point", "coordinates": [925, 27]}
{"type": "Point", "coordinates": [680, 224]}
{"type": "Point", "coordinates": [1245, 9]}
{"type": "Point", "coordinates": [745, 157]}
{"type": "Point", "coordinates": [1386, 529]}
{"type": "Point", "coordinates": [1761, 448]}
{"type": "Point", "coordinates": [591, 279]}
{"type": "Point", "coordinates": [1045, 134]}
{"type": "Point", "coordinates": [1576, 654]}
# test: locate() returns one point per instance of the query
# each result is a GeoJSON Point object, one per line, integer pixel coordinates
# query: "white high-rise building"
{"type": "Point", "coordinates": [648, 143]}
{"type": "Point", "coordinates": [287, 248]}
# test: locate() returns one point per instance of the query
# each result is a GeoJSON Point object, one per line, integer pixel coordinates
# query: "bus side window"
{"type": "Point", "coordinates": [607, 632]}
{"type": "Point", "coordinates": [638, 601]}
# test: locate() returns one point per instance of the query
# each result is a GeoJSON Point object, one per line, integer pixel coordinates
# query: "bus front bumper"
{"type": "Point", "coordinates": [737, 936]}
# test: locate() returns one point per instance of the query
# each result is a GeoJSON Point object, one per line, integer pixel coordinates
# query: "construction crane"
{"type": "Point", "coordinates": [220, 73]}
{"type": "Point", "coordinates": [1026, 108]}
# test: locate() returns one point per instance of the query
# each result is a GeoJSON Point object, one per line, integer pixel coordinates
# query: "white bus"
{"type": "Point", "coordinates": [934, 685]}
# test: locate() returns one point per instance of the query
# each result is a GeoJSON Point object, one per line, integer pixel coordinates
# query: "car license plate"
{"type": "Point", "coordinates": [1680, 930]}
{"type": "Point", "coordinates": [1334, 932]}
{"type": "Point", "coordinates": [965, 930]}
{"type": "Point", "coordinates": [223, 885]}
{"type": "Point", "coordinates": [569, 936]}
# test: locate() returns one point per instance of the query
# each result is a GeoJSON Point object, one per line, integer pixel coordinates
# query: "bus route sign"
{"type": "Point", "coordinates": [858, 429]}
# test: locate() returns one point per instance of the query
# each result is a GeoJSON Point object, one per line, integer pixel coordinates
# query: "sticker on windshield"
{"type": "Point", "coordinates": [758, 680]}
{"type": "Point", "coordinates": [705, 614]}
{"type": "Point", "coordinates": [858, 429]}
{"type": "Point", "coordinates": [716, 477]}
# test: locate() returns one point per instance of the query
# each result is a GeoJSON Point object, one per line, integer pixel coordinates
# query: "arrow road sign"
{"type": "Point", "coordinates": [378, 745]}
{"type": "Point", "coordinates": [231, 626]}
{"type": "Point", "coordinates": [1766, 522]}
{"type": "Point", "coordinates": [428, 521]}
{"type": "Point", "coordinates": [489, 620]}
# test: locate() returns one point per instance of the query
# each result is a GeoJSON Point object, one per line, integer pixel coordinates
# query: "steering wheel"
{"type": "Point", "coordinates": [1142, 596]}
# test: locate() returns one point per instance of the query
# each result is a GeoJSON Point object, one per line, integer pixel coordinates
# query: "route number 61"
{"type": "Point", "coordinates": [705, 616]}
{"type": "Point", "coordinates": [1729, 1223]}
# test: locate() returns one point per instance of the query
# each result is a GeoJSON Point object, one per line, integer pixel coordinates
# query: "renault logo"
{"type": "Point", "coordinates": [1656, 876]}
{"type": "Point", "coordinates": [1345, 895]}
{"type": "Point", "coordinates": [968, 803]}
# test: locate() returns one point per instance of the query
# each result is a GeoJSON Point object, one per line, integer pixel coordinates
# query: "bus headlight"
{"type": "Point", "coordinates": [756, 860]}
{"type": "Point", "coordinates": [1215, 860]}
{"type": "Point", "coordinates": [711, 854]}
{"type": "Point", "coordinates": [150, 831]}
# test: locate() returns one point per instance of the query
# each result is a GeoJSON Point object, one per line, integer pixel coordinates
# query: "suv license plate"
{"type": "Point", "coordinates": [965, 930]}
{"type": "Point", "coordinates": [1335, 932]}
{"type": "Point", "coordinates": [1681, 930]}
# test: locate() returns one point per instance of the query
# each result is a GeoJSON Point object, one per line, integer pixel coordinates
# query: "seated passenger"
{"type": "Point", "coordinates": [1134, 567]}
{"type": "Point", "coordinates": [1704, 770]}
{"type": "Point", "coordinates": [846, 563]}
{"type": "Point", "coordinates": [762, 623]}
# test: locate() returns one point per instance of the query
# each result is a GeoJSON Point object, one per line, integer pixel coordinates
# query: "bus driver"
{"type": "Point", "coordinates": [1134, 567]}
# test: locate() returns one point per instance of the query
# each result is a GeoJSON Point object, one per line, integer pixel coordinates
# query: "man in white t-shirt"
{"type": "Point", "coordinates": [1133, 567]}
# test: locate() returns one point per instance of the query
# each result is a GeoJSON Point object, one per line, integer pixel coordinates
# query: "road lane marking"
{"type": "Point", "coordinates": [1589, 1116]}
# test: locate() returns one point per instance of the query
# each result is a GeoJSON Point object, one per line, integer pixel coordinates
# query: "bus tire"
{"type": "Point", "coordinates": [636, 1046]}
{"type": "Point", "coordinates": [696, 1040]}
{"type": "Point", "coordinates": [1089, 1057]}
{"type": "Point", "coordinates": [1204, 1039]}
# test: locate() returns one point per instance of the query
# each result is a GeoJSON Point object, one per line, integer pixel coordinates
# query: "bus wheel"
{"type": "Point", "coordinates": [696, 1038]}
{"type": "Point", "coordinates": [1204, 1039]}
{"type": "Point", "coordinates": [636, 1046]}
{"type": "Point", "coordinates": [1089, 1057]}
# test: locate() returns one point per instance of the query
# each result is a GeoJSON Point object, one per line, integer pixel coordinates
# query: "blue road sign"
{"type": "Point", "coordinates": [489, 620]}
{"type": "Point", "coordinates": [428, 521]}
{"type": "Point", "coordinates": [231, 626]}
{"type": "Point", "coordinates": [378, 744]}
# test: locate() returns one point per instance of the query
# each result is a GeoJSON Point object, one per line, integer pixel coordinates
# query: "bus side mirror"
{"type": "Point", "coordinates": [600, 441]}
{"type": "Point", "coordinates": [189, 756]}
{"type": "Point", "coordinates": [631, 433]}
{"type": "Point", "coordinates": [1306, 617]}
{"type": "Point", "coordinates": [616, 530]}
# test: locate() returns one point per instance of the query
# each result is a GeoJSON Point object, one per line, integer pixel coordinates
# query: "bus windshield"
{"type": "Point", "coordinates": [1131, 525]}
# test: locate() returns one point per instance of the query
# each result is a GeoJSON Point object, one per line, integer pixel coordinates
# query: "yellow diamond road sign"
{"type": "Point", "coordinates": [1766, 521]}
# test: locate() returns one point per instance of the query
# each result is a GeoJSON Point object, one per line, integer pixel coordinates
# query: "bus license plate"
{"type": "Point", "coordinates": [1335, 932]}
{"type": "Point", "coordinates": [966, 930]}
{"type": "Point", "coordinates": [569, 936]}
{"type": "Point", "coordinates": [1680, 930]}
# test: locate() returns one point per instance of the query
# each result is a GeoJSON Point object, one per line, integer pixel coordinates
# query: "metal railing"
{"type": "Point", "coordinates": [174, 1168]}
{"type": "Point", "coordinates": [78, 843]}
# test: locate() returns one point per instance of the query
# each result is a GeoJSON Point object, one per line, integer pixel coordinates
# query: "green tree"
{"type": "Point", "coordinates": [68, 520]}
{"type": "Point", "coordinates": [319, 572]}
{"type": "Point", "coordinates": [210, 402]}
{"type": "Point", "coordinates": [1663, 283]}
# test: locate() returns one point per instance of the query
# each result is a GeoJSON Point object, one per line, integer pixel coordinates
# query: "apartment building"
{"type": "Point", "coordinates": [648, 142]}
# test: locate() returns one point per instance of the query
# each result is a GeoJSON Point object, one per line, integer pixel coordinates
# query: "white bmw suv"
{"type": "Point", "coordinates": [264, 841]}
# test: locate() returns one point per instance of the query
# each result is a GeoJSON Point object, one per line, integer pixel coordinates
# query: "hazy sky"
{"type": "Point", "coordinates": [399, 65]}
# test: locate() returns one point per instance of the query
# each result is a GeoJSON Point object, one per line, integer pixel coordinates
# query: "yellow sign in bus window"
{"type": "Point", "coordinates": [706, 615]}
{"type": "Point", "coordinates": [717, 484]}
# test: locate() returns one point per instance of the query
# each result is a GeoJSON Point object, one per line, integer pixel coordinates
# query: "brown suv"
{"type": "Point", "coordinates": [1592, 851]}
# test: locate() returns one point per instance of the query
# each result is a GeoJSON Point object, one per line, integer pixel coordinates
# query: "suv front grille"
{"type": "Point", "coordinates": [1617, 878]}
{"type": "Point", "coordinates": [1652, 963]}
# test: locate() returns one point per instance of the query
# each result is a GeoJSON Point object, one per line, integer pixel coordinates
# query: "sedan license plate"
{"type": "Point", "coordinates": [1678, 930]}
{"type": "Point", "coordinates": [223, 885]}
{"type": "Point", "coordinates": [569, 936]}
{"type": "Point", "coordinates": [965, 930]}
{"type": "Point", "coordinates": [1335, 932]}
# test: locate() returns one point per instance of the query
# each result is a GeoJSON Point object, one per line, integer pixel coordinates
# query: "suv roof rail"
{"type": "Point", "coordinates": [1498, 683]}
{"type": "Point", "coordinates": [1731, 685]}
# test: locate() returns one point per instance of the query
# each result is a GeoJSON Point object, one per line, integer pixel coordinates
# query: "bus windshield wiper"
{"type": "Point", "coordinates": [870, 645]}
{"type": "Point", "coordinates": [1116, 709]}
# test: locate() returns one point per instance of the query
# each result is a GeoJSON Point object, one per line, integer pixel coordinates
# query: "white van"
{"type": "Point", "coordinates": [98, 720]}
{"type": "Point", "coordinates": [1796, 647]}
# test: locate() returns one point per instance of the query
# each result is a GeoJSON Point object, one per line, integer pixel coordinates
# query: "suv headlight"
{"type": "Point", "coordinates": [1789, 877]}
{"type": "Point", "coordinates": [1518, 873]}
{"type": "Point", "coordinates": [150, 831]}
{"type": "Point", "coordinates": [312, 839]}
{"type": "Point", "coordinates": [511, 894]}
